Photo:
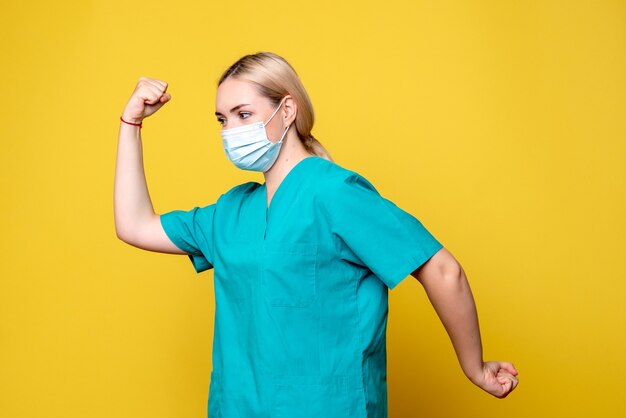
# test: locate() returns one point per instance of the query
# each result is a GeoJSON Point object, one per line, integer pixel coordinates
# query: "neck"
{"type": "Point", "coordinates": [291, 153]}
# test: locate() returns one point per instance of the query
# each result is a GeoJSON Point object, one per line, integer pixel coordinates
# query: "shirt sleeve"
{"type": "Point", "coordinates": [375, 233]}
{"type": "Point", "coordinates": [192, 231]}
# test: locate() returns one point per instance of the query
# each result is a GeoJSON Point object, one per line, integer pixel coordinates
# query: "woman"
{"type": "Point", "coordinates": [302, 263]}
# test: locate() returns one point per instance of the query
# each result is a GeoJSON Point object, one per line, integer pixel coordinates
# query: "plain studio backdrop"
{"type": "Point", "coordinates": [500, 125]}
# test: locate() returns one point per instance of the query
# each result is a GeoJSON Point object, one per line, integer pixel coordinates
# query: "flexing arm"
{"type": "Point", "coordinates": [136, 223]}
{"type": "Point", "coordinates": [449, 292]}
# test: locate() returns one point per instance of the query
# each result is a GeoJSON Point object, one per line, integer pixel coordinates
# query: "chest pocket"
{"type": "Point", "coordinates": [288, 274]}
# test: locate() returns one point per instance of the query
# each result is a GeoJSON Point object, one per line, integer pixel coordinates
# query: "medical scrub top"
{"type": "Point", "coordinates": [301, 291]}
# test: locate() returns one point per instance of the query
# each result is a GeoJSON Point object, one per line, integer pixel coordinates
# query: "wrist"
{"type": "Point", "coordinates": [130, 122]}
{"type": "Point", "coordinates": [130, 119]}
{"type": "Point", "coordinates": [475, 373]}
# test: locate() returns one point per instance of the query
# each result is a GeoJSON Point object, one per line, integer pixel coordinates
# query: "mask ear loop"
{"type": "Point", "coordinates": [283, 136]}
{"type": "Point", "coordinates": [271, 117]}
{"type": "Point", "coordinates": [286, 129]}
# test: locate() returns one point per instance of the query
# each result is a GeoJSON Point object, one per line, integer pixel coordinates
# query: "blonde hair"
{"type": "Point", "coordinates": [275, 78]}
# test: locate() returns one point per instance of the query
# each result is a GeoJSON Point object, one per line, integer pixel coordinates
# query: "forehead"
{"type": "Point", "coordinates": [233, 91]}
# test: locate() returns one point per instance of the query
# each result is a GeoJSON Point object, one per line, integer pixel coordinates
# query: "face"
{"type": "Point", "coordinates": [239, 103]}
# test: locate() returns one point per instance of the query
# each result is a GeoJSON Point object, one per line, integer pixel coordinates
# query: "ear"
{"type": "Point", "coordinates": [290, 110]}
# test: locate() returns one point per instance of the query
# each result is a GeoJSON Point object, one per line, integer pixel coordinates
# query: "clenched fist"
{"type": "Point", "coordinates": [148, 97]}
{"type": "Point", "coordinates": [497, 378]}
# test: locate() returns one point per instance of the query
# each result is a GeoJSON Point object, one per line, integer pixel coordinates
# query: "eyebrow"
{"type": "Point", "coordinates": [233, 109]}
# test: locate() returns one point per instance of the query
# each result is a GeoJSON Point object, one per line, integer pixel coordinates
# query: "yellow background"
{"type": "Point", "coordinates": [499, 124]}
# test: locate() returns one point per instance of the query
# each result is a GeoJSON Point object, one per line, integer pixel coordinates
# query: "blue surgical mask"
{"type": "Point", "coordinates": [248, 146]}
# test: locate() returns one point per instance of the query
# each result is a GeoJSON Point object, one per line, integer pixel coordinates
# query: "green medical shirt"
{"type": "Point", "coordinates": [301, 291]}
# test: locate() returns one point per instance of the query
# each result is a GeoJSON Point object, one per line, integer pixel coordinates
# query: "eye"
{"type": "Point", "coordinates": [220, 120]}
{"type": "Point", "coordinates": [241, 114]}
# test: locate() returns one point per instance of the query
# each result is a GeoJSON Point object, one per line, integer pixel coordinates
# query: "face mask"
{"type": "Point", "coordinates": [248, 147]}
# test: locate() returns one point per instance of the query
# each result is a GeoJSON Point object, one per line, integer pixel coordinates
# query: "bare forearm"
{"type": "Point", "coordinates": [452, 298]}
{"type": "Point", "coordinates": [132, 204]}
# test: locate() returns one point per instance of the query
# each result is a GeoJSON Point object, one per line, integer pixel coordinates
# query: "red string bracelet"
{"type": "Point", "coordinates": [130, 123]}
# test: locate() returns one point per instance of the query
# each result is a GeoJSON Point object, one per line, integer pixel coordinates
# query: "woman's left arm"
{"type": "Point", "coordinates": [449, 292]}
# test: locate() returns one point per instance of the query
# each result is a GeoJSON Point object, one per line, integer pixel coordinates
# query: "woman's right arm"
{"type": "Point", "coordinates": [136, 223]}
